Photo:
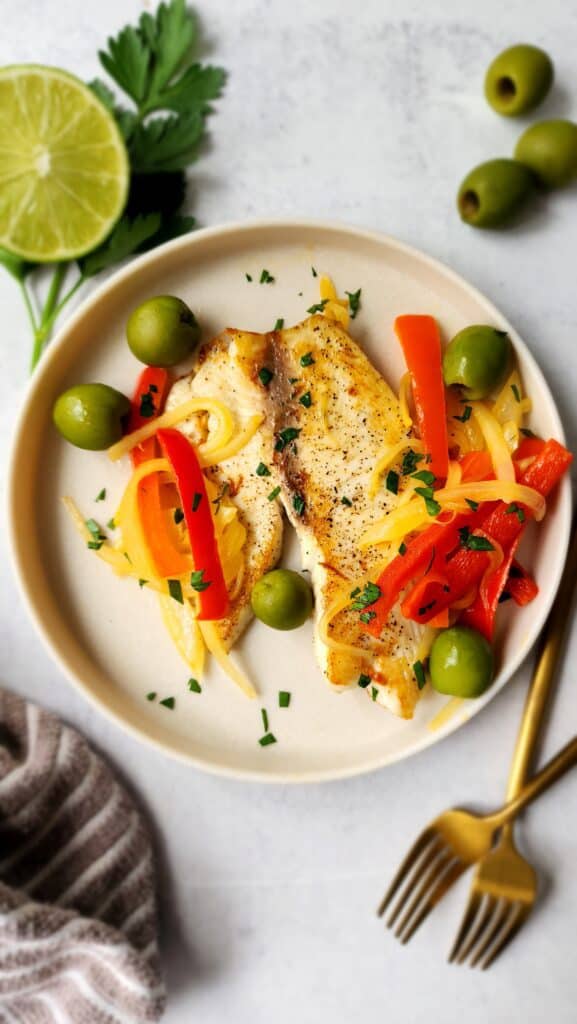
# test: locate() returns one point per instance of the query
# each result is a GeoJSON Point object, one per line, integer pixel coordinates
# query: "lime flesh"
{"type": "Point", "coordinates": [64, 170]}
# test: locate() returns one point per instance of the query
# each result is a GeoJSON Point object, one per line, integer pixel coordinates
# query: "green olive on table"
{"type": "Point", "coordinates": [282, 599]}
{"type": "Point", "coordinates": [549, 149]}
{"type": "Point", "coordinates": [461, 662]}
{"type": "Point", "coordinates": [477, 359]}
{"type": "Point", "coordinates": [162, 331]}
{"type": "Point", "coordinates": [90, 415]}
{"type": "Point", "coordinates": [493, 192]}
{"type": "Point", "coordinates": [518, 79]}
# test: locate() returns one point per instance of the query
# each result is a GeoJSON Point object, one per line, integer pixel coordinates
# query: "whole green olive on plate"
{"type": "Point", "coordinates": [549, 149]}
{"type": "Point", "coordinates": [90, 415]}
{"type": "Point", "coordinates": [518, 79]}
{"type": "Point", "coordinates": [477, 359]}
{"type": "Point", "coordinates": [493, 192]}
{"type": "Point", "coordinates": [461, 662]}
{"type": "Point", "coordinates": [162, 331]}
{"type": "Point", "coordinates": [282, 599]}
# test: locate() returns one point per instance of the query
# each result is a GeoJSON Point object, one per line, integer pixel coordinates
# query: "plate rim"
{"type": "Point", "coordinates": [132, 269]}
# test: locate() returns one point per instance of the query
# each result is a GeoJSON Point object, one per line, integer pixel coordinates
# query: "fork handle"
{"type": "Point", "coordinates": [543, 675]}
{"type": "Point", "coordinates": [553, 770]}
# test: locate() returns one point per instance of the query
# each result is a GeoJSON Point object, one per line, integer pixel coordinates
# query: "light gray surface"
{"type": "Point", "coordinates": [369, 113]}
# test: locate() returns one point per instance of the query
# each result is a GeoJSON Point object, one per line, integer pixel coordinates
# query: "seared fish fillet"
{"type": "Point", "coordinates": [325, 388]}
{"type": "Point", "coordinates": [227, 369]}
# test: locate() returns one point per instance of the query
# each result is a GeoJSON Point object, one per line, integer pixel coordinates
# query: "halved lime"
{"type": "Point", "coordinates": [64, 170]}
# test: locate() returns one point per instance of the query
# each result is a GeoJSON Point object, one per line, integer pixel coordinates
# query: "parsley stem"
{"type": "Point", "coordinates": [28, 303]}
{"type": "Point", "coordinates": [52, 310]}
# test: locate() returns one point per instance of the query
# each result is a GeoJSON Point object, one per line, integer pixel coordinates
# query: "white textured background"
{"type": "Point", "coordinates": [371, 113]}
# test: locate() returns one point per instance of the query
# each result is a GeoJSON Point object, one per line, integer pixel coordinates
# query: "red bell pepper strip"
{"type": "Point", "coordinates": [529, 447]}
{"type": "Point", "coordinates": [521, 585]}
{"type": "Point", "coordinates": [476, 466]}
{"type": "Point", "coordinates": [481, 614]}
{"type": "Point", "coordinates": [422, 598]}
{"type": "Point", "coordinates": [213, 599]}
{"type": "Point", "coordinates": [421, 344]}
{"type": "Point", "coordinates": [466, 567]}
{"type": "Point", "coordinates": [147, 403]}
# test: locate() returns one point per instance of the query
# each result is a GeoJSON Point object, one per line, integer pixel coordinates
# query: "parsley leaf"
{"type": "Point", "coordinates": [473, 542]}
{"type": "Point", "coordinates": [306, 400]}
{"type": "Point", "coordinates": [466, 414]}
{"type": "Point", "coordinates": [299, 504]}
{"type": "Point", "coordinates": [514, 509]}
{"type": "Point", "coordinates": [364, 681]}
{"type": "Point", "coordinates": [125, 239]}
{"type": "Point", "coordinates": [473, 505]}
{"type": "Point", "coordinates": [515, 391]}
{"type": "Point", "coordinates": [410, 462]}
{"type": "Point", "coordinates": [318, 307]}
{"type": "Point", "coordinates": [432, 506]}
{"type": "Point", "coordinates": [262, 470]}
{"type": "Point", "coordinates": [266, 278]}
{"type": "Point", "coordinates": [279, 324]}
{"type": "Point", "coordinates": [307, 359]}
{"type": "Point", "coordinates": [285, 436]}
{"type": "Point", "coordinates": [175, 590]}
{"type": "Point", "coordinates": [166, 143]}
{"type": "Point", "coordinates": [368, 595]}
{"type": "Point", "coordinates": [354, 302]}
{"type": "Point", "coordinates": [419, 670]}
{"type": "Point", "coordinates": [426, 476]}
{"type": "Point", "coordinates": [392, 482]}
{"type": "Point", "coordinates": [197, 582]}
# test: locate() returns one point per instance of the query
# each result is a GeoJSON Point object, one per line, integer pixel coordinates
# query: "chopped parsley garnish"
{"type": "Point", "coordinates": [515, 391]}
{"type": "Point", "coordinates": [265, 741]}
{"type": "Point", "coordinates": [264, 717]}
{"type": "Point", "coordinates": [354, 302]}
{"type": "Point", "coordinates": [299, 504]}
{"type": "Point", "coordinates": [526, 432]}
{"type": "Point", "coordinates": [274, 494]}
{"type": "Point", "coordinates": [196, 501]}
{"type": "Point", "coordinates": [363, 598]}
{"type": "Point", "coordinates": [98, 537]}
{"type": "Point", "coordinates": [425, 475]}
{"type": "Point", "coordinates": [293, 380]}
{"type": "Point", "coordinates": [147, 407]}
{"type": "Point", "coordinates": [285, 437]}
{"type": "Point", "coordinates": [153, 388]}
{"type": "Point", "coordinates": [152, 695]}
{"type": "Point", "coordinates": [367, 617]}
{"type": "Point", "coordinates": [392, 482]}
{"type": "Point", "coordinates": [194, 686]}
{"type": "Point", "coordinates": [402, 548]}
{"type": "Point", "coordinates": [363, 681]}
{"type": "Point", "coordinates": [265, 376]}
{"type": "Point", "coordinates": [284, 698]}
{"type": "Point", "coordinates": [410, 462]}
{"type": "Point", "coordinates": [307, 359]}
{"type": "Point", "coordinates": [514, 509]}
{"type": "Point", "coordinates": [419, 670]}
{"type": "Point", "coordinates": [128, 558]}
{"type": "Point", "coordinates": [346, 501]}
{"type": "Point", "coordinates": [178, 515]}
{"type": "Point", "coordinates": [111, 524]}
{"type": "Point", "coordinates": [175, 590]}
{"type": "Point", "coordinates": [248, 277]}
{"type": "Point", "coordinates": [142, 583]}
{"type": "Point", "coordinates": [317, 307]}
{"type": "Point", "coordinates": [279, 324]}
{"type": "Point", "coordinates": [197, 582]}
{"type": "Point", "coordinates": [473, 542]}
{"type": "Point", "coordinates": [427, 494]}
{"type": "Point", "coordinates": [220, 496]}
{"type": "Point", "coordinates": [306, 400]}
{"type": "Point", "coordinates": [466, 414]}
{"type": "Point", "coordinates": [95, 545]}
{"type": "Point", "coordinates": [374, 693]}
{"type": "Point", "coordinates": [168, 702]}
{"type": "Point", "coordinates": [473, 505]}
{"type": "Point", "coordinates": [101, 495]}
{"type": "Point", "coordinates": [314, 272]}
{"type": "Point", "coordinates": [266, 278]}
{"type": "Point", "coordinates": [262, 470]}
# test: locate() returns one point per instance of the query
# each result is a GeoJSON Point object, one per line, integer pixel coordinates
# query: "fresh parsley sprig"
{"type": "Point", "coordinates": [169, 95]}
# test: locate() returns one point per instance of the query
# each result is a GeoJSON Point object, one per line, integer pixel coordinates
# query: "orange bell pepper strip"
{"type": "Point", "coordinates": [521, 586]}
{"type": "Point", "coordinates": [421, 344]}
{"type": "Point", "coordinates": [161, 539]}
{"type": "Point", "coordinates": [208, 578]}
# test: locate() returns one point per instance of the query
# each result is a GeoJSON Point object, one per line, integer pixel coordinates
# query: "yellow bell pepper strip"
{"type": "Point", "coordinates": [421, 345]}
{"type": "Point", "coordinates": [208, 577]}
{"type": "Point", "coordinates": [147, 403]}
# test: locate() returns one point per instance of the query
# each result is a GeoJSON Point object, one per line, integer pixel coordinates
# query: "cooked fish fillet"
{"type": "Point", "coordinates": [345, 414]}
{"type": "Point", "coordinates": [227, 369]}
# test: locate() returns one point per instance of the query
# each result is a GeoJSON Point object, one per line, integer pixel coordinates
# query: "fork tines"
{"type": "Point", "coordinates": [488, 926]}
{"type": "Point", "coordinates": [426, 874]}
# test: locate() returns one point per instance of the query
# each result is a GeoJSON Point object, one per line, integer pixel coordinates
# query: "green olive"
{"type": "Point", "coordinates": [493, 192]}
{"type": "Point", "coordinates": [518, 80]}
{"type": "Point", "coordinates": [90, 415]}
{"type": "Point", "coordinates": [477, 359]}
{"type": "Point", "coordinates": [162, 331]}
{"type": "Point", "coordinates": [549, 149]}
{"type": "Point", "coordinates": [282, 599]}
{"type": "Point", "coordinates": [461, 662]}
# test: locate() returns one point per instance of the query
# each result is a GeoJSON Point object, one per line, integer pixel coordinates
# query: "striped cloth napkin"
{"type": "Point", "coordinates": [77, 897]}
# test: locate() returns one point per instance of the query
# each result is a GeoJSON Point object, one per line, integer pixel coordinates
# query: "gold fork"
{"type": "Point", "coordinates": [452, 843]}
{"type": "Point", "coordinates": [504, 886]}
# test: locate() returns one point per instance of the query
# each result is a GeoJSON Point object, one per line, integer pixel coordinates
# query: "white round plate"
{"type": "Point", "coordinates": [107, 634]}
